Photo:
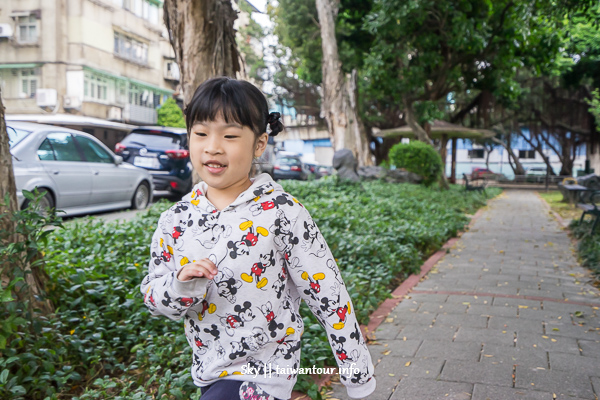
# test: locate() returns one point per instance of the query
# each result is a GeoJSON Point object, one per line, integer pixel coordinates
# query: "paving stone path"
{"type": "Point", "coordinates": [507, 314]}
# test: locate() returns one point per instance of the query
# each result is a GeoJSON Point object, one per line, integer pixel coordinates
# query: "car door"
{"type": "Point", "coordinates": [62, 160]}
{"type": "Point", "coordinates": [110, 183]}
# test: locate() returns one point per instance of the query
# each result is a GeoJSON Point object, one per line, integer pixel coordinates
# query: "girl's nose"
{"type": "Point", "coordinates": [213, 145]}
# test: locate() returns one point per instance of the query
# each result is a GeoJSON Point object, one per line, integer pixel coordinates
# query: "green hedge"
{"type": "Point", "coordinates": [588, 245]}
{"type": "Point", "coordinates": [417, 157]}
{"type": "Point", "coordinates": [103, 343]}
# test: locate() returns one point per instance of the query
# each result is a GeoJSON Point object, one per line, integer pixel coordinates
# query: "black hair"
{"type": "Point", "coordinates": [234, 101]}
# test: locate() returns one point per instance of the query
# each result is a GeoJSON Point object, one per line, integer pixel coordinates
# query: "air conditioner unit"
{"type": "Point", "coordinates": [6, 31]}
{"type": "Point", "coordinates": [115, 114]}
{"type": "Point", "coordinates": [72, 102]}
{"type": "Point", "coordinates": [46, 97]}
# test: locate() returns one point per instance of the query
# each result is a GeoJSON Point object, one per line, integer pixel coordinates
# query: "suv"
{"type": "Point", "coordinates": [163, 151]}
{"type": "Point", "coordinates": [290, 167]}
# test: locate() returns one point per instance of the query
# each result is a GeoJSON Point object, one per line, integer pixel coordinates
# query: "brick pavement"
{"type": "Point", "coordinates": [507, 314]}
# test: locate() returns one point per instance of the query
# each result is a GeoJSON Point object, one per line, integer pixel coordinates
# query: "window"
{"type": "Point", "coordinates": [15, 135]}
{"type": "Point", "coordinates": [28, 82]}
{"type": "Point", "coordinates": [45, 152]}
{"type": "Point", "coordinates": [130, 49]}
{"type": "Point", "coordinates": [93, 152]}
{"type": "Point", "coordinates": [476, 153]}
{"type": "Point", "coordinates": [63, 146]}
{"type": "Point", "coordinates": [141, 96]}
{"type": "Point", "coordinates": [27, 30]}
{"type": "Point", "coordinates": [98, 88]}
{"type": "Point", "coordinates": [526, 153]}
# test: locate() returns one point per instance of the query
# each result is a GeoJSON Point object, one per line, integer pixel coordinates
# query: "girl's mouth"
{"type": "Point", "coordinates": [215, 168]}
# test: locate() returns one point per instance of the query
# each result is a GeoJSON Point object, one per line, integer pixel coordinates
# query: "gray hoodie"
{"type": "Point", "coordinates": [244, 324]}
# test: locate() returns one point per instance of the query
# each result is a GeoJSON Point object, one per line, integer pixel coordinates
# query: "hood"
{"type": "Point", "coordinates": [263, 186]}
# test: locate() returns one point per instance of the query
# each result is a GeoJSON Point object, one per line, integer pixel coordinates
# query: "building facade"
{"type": "Point", "coordinates": [105, 59]}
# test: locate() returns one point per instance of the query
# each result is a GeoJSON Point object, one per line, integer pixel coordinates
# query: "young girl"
{"type": "Point", "coordinates": [235, 257]}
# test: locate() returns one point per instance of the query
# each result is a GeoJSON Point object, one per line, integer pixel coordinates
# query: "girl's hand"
{"type": "Point", "coordinates": [198, 269]}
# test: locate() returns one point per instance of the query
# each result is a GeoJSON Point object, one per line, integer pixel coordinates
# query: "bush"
{"type": "Point", "coordinates": [169, 114]}
{"type": "Point", "coordinates": [588, 244]}
{"type": "Point", "coordinates": [417, 157]}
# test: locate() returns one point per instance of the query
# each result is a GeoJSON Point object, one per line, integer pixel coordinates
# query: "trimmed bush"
{"type": "Point", "coordinates": [417, 157]}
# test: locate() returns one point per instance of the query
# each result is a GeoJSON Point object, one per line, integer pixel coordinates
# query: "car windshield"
{"type": "Point", "coordinates": [15, 135]}
{"type": "Point", "coordinates": [155, 140]}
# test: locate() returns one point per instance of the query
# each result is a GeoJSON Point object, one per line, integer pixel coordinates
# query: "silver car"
{"type": "Point", "coordinates": [77, 172]}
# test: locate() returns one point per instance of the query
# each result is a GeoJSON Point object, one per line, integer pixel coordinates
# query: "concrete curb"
{"type": "Point", "coordinates": [384, 309]}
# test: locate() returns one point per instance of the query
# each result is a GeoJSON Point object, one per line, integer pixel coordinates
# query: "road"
{"type": "Point", "coordinates": [125, 214]}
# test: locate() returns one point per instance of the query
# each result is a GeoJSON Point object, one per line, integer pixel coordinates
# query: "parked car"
{"type": "Point", "coordinates": [76, 172]}
{"type": "Point", "coordinates": [163, 151]}
{"type": "Point", "coordinates": [290, 167]}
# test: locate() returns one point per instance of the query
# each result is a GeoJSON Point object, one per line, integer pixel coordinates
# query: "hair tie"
{"type": "Point", "coordinates": [273, 117]}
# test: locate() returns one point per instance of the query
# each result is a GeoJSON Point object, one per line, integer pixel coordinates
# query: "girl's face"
{"type": "Point", "coordinates": [222, 153]}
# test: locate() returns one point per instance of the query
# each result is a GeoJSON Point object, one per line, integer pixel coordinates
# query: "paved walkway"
{"type": "Point", "coordinates": [507, 314]}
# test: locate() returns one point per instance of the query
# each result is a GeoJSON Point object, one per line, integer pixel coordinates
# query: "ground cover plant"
{"type": "Point", "coordinates": [102, 342]}
{"type": "Point", "coordinates": [588, 244]}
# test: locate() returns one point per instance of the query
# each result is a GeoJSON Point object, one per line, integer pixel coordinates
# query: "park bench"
{"type": "Point", "coordinates": [469, 184]}
{"type": "Point", "coordinates": [590, 208]}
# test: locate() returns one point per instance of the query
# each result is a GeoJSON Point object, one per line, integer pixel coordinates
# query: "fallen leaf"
{"type": "Point", "coordinates": [385, 353]}
{"type": "Point", "coordinates": [391, 375]}
{"type": "Point", "coordinates": [407, 364]}
{"type": "Point", "coordinates": [389, 320]}
{"type": "Point", "coordinates": [554, 340]}
{"type": "Point", "coordinates": [466, 303]}
{"type": "Point", "coordinates": [488, 355]}
{"type": "Point", "coordinates": [545, 337]}
{"type": "Point", "coordinates": [579, 314]}
{"type": "Point", "coordinates": [555, 329]}
{"type": "Point", "coordinates": [523, 306]}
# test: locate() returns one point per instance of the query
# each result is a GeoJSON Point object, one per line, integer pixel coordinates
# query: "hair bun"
{"type": "Point", "coordinates": [275, 124]}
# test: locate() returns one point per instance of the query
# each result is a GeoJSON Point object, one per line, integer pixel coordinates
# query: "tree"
{"type": "Point", "coordinates": [340, 104]}
{"type": "Point", "coordinates": [300, 28]}
{"type": "Point", "coordinates": [169, 114]}
{"type": "Point", "coordinates": [31, 290]}
{"type": "Point", "coordinates": [202, 35]}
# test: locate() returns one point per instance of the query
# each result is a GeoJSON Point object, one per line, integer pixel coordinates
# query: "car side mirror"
{"type": "Point", "coordinates": [118, 160]}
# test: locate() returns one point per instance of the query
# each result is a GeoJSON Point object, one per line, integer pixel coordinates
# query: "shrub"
{"type": "Point", "coordinates": [169, 114]}
{"type": "Point", "coordinates": [417, 157]}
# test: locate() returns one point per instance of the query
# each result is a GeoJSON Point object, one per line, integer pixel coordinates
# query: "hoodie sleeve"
{"type": "Point", "coordinates": [164, 294]}
{"type": "Point", "coordinates": [316, 275]}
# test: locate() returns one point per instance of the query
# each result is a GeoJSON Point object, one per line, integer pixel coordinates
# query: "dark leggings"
{"type": "Point", "coordinates": [223, 390]}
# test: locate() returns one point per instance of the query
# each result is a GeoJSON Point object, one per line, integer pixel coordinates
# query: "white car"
{"type": "Point", "coordinates": [76, 172]}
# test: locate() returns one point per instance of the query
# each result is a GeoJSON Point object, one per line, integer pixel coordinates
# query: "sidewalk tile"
{"type": "Point", "coordinates": [475, 372]}
{"type": "Point", "coordinates": [472, 321]}
{"type": "Point", "coordinates": [491, 311]}
{"type": "Point", "coordinates": [530, 357]}
{"type": "Point", "coordinates": [417, 388]}
{"type": "Point", "coordinates": [547, 342]}
{"type": "Point", "coordinates": [590, 348]}
{"type": "Point", "coordinates": [568, 383]}
{"type": "Point", "coordinates": [589, 366]}
{"type": "Point", "coordinates": [487, 392]}
{"type": "Point", "coordinates": [402, 367]}
{"type": "Point", "coordinates": [516, 324]}
{"type": "Point", "coordinates": [436, 332]}
{"type": "Point", "coordinates": [484, 336]}
{"type": "Point", "coordinates": [449, 350]}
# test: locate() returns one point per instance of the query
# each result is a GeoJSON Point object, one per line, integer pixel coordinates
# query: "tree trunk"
{"type": "Point", "coordinates": [340, 106]}
{"type": "Point", "coordinates": [518, 167]}
{"type": "Point", "coordinates": [35, 278]}
{"type": "Point", "coordinates": [420, 133]}
{"type": "Point", "coordinates": [540, 150]}
{"type": "Point", "coordinates": [202, 35]}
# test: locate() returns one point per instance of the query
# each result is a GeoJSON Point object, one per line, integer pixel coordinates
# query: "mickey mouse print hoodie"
{"type": "Point", "coordinates": [244, 324]}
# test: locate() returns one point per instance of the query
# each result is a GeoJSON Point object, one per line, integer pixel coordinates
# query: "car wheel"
{"type": "Point", "coordinates": [45, 206]}
{"type": "Point", "coordinates": [141, 197]}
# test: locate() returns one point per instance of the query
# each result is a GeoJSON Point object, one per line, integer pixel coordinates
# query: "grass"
{"type": "Point", "coordinates": [555, 199]}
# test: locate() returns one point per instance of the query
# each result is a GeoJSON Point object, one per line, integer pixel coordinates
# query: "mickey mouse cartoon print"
{"type": "Point", "coordinates": [270, 256]}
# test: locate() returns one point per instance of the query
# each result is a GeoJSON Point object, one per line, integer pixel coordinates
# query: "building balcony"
{"type": "Point", "coordinates": [135, 114]}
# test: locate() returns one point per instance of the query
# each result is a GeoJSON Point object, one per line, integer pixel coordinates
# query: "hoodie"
{"type": "Point", "coordinates": [244, 324]}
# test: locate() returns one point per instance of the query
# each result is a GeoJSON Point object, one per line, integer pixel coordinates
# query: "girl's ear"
{"type": "Point", "coordinates": [261, 144]}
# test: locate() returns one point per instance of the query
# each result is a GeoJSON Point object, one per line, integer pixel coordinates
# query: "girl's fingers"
{"type": "Point", "coordinates": [201, 270]}
{"type": "Point", "coordinates": [209, 265]}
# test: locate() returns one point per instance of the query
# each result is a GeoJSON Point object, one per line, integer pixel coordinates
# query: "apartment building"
{"type": "Point", "coordinates": [100, 60]}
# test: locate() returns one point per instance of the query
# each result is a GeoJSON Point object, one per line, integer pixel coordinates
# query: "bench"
{"type": "Point", "coordinates": [470, 187]}
{"type": "Point", "coordinates": [572, 192]}
{"type": "Point", "coordinates": [591, 208]}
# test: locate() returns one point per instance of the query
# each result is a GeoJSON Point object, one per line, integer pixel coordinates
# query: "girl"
{"type": "Point", "coordinates": [235, 257]}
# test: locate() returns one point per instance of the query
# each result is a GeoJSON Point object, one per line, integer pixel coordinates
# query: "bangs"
{"type": "Point", "coordinates": [231, 100]}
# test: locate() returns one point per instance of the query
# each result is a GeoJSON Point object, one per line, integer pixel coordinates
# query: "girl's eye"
{"type": "Point", "coordinates": [200, 134]}
{"type": "Point", "coordinates": [230, 136]}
